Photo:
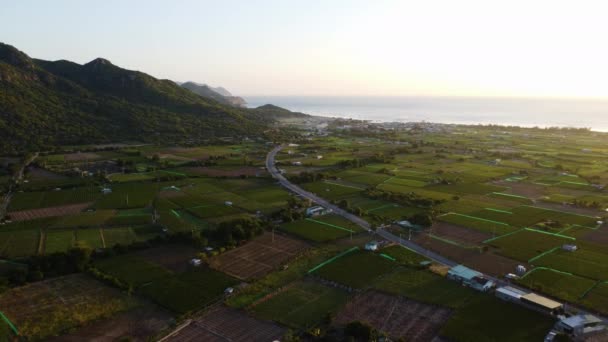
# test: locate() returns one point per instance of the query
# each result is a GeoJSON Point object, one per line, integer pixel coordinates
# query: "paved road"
{"type": "Point", "coordinates": [270, 166]}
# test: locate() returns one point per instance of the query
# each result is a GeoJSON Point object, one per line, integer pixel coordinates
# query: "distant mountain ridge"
{"type": "Point", "coordinates": [219, 94]}
{"type": "Point", "coordinates": [45, 104]}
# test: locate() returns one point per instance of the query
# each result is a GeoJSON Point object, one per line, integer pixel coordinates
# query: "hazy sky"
{"type": "Point", "coordinates": [512, 48]}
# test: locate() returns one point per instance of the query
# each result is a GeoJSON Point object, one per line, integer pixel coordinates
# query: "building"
{"type": "Point", "coordinates": [317, 210]}
{"type": "Point", "coordinates": [196, 262]}
{"type": "Point", "coordinates": [297, 163]}
{"type": "Point", "coordinates": [228, 203]}
{"type": "Point", "coordinates": [510, 294]}
{"type": "Point", "coordinates": [569, 248]}
{"type": "Point", "coordinates": [470, 278]}
{"type": "Point", "coordinates": [371, 246]}
{"type": "Point", "coordinates": [581, 325]}
{"type": "Point", "coordinates": [542, 304]}
{"type": "Point", "coordinates": [106, 191]}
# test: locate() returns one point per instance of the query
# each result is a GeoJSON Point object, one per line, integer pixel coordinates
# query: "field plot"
{"type": "Point", "coordinates": [467, 188]}
{"type": "Point", "coordinates": [90, 219]}
{"type": "Point", "coordinates": [486, 262]}
{"type": "Point", "coordinates": [301, 305]}
{"type": "Point", "coordinates": [31, 214]}
{"type": "Point", "coordinates": [459, 234]}
{"type": "Point", "coordinates": [527, 244]}
{"type": "Point", "coordinates": [403, 255]}
{"type": "Point", "coordinates": [426, 287]}
{"type": "Point", "coordinates": [188, 291]}
{"type": "Point", "coordinates": [397, 317]}
{"type": "Point", "coordinates": [172, 257]}
{"type": "Point", "coordinates": [43, 199]}
{"type": "Point", "coordinates": [477, 223]}
{"type": "Point", "coordinates": [586, 261]}
{"type": "Point", "coordinates": [368, 267]}
{"type": "Point", "coordinates": [139, 324]}
{"type": "Point", "coordinates": [126, 196]}
{"type": "Point", "coordinates": [132, 270]}
{"type": "Point", "coordinates": [558, 284]}
{"type": "Point", "coordinates": [331, 191]}
{"type": "Point", "coordinates": [597, 298]}
{"type": "Point", "coordinates": [18, 243]}
{"type": "Point", "coordinates": [527, 216]}
{"type": "Point", "coordinates": [224, 171]}
{"type": "Point", "coordinates": [46, 308]}
{"type": "Point", "coordinates": [324, 228]}
{"type": "Point", "coordinates": [221, 324]}
{"type": "Point", "coordinates": [486, 318]}
{"type": "Point", "coordinates": [258, 257]}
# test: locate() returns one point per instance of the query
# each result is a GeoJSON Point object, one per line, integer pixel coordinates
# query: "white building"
{"type": "Point", "coordinates": [371, 246]}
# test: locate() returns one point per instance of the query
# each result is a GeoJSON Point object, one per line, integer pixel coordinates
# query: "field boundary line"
{"type": "Point", "coordinates": [433, 236]}
{"type": "Point", "coordinates": [383, 206]}
{"type": "Point", "coordinates": [480, 219]}
{"type": "Point", "coordinates": [334, 258]}
{"type": "Point", "coordinates": [543, 254]}
{"type": "Point", "coordinates": [41, 239]}
{"type": "Point", "coordinates": [560, 211]}
{"type": "Point", "coordinates": [330, 225]}
{"type": "Point", "coordinates": [509, 195]}
{"type": "Point", "coordinates": [553, 234]}
{"type": "Point", "coordinates": [503, 235]}
{"type": "Point", "coordinates": [10, 324]}
{"type": "Point", "coordinates": [547, 269]}
{"type": "Point", "coordinates": [499, 211]}
{"type": "Point", "coordinates": [590, 289]}
{"type": "Point", "coordinates": [344, 185]}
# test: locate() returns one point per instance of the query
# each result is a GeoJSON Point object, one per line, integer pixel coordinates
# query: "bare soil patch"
{"type": "Point", "coordinates": [140, 324]}
{"type": "Point", "coordinates": [223, 324]}
{"type": "Point", "coordinates": [396, 316]}
{"type": "Point", "coordinates": [258, 257]}
{"type": "Point", "coordinates": [24, 215]}
{"type": "Point", "coordinates": [459, 234]}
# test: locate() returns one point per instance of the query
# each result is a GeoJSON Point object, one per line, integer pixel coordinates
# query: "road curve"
{"type": "Point", "coordinates": [272, 169]}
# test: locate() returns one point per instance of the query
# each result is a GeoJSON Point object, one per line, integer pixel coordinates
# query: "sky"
{"type": "Point", "coordinates": [533, 48]}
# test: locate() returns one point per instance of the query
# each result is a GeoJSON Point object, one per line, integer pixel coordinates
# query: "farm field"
{"type": "Point", "coordinates": [486, 318]}
{"type": "Point", "coordinates": [558, 284]}
{"type": "Point", "coordinates": [221, 324]}
{"type": "Point", "coordinates": [258, 257]}
{"type": "Point", "coordinates": [321, 228]}
{"type": "Point", "coordinates": [397, 317]}
{"type": "Point", "coordinates": [369, 266]}
{"type": "Point", "coordinates": [587, 262]}
{"type": "Point", "coordinates": [50, 307]}
{"type": "Point", "coordinates": [301, 305]}
{"type": "Point", "coordinates": [526, 244]}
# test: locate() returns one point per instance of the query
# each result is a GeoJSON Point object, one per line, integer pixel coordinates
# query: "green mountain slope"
{"type": "Point", "coordinates": [45, 104]}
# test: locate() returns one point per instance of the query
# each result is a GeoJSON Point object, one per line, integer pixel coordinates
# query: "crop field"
{"type": "Point", "coordinates": [587, 261]}
{"type": "Point", "coordinates": [477, 223]}
{"type": "Point", "coordinates": [126, 196]}
{"type": "Point", "coordinates": [258, 257]}
{"type": "Point", "coordinates": [88, 219]}
{"type": "Point", "coordinates": [132, 270]}
{"type": "Point", "coordinates": [331, 191]}
{"type": "Point", "coordinates": [320, 229]}
{"type": "Point", "coordinates": [301, 305]}
{"type": "Point", "coordinates": [394, 212]}
{"type": "Point", "coordinates": [174, 258]}
{"type": "Point", "coordinates": [526, 244]}
{"type": "Point", "coordinates": [557, 284]}
{"type": "Point", "coordinates": [222, 324]}
{"type": "Point", "coordinates": [188, 290]}
{"type": "Point", "coordinates": [459, 234]}
{"type": "Point", "coordinates": [597, 298]}
{"type": "Point", "coordinates": [426, 287]}
{"type": "Point", "coordinates": [468, 188]}
{"type": "Point", "coordinates": [18, 243]}
{"type": "Point", "coordinates": [43, 199]}
{"type": "Point", "coordinates": [398, 317]}
{"type": "Point", "coordinates": [528, 215]}
{"type": "Point", "coordinates": [487, 318]}
{"type": "Point", "coordinates": [369, 266]}
{"type": "Point", "coordinates": [69, 300]}
{"type": "Point", "coordinates": [32, 214]}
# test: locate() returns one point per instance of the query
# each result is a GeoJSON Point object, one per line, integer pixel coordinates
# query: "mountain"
{"type": "Point", "coordinates": [276, 112]}
{"type": "Point", "coordinates": [45, 104]}
{"type": "Point", "coordinates": [219, 94]}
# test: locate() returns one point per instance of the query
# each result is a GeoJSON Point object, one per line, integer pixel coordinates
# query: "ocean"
{"type": "Point", "coordinates": [526, 112]}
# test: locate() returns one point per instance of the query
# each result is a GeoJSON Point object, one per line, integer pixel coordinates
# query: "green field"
{"type": "Point", "coordinates": [302, 305]}
{"type": "Point", "coordinates": [477, 223]}
{"type": "Point", "coordinates": [368, 267]}
{"type": "Point", "coordinates": [322, 228]}
{"type": "Point", "coordinates": [525, 244]}
{"type": "Point", "coordinates": [487, 318]}
{"type": "Point", "coordinates": [557, 284]}
{"type": "Point", "coordinates": [586, 261]}
{"type": "Point", "coordinates": [132, 270]}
